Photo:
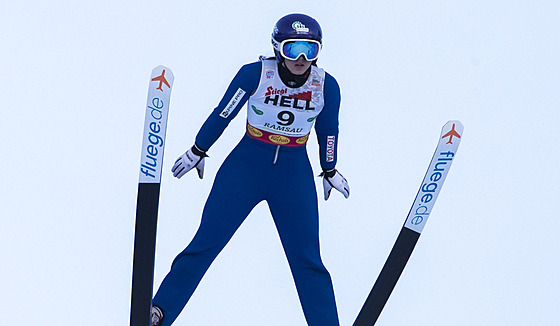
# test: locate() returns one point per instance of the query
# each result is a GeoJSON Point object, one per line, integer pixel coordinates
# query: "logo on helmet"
{"type": "Point", "coordinates": [299, 27]}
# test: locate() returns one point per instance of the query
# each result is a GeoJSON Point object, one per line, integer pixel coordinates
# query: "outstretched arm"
{"type": "Point", "coordinates": [239, 90]}
{"type": "Point", "coordinates": [326, 128]}
{"type": "Point", "coordinates": [243, 84]}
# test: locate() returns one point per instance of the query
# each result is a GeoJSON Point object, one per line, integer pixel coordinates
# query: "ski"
{"type": "Point", "coordinates": [446, 149]}
{"type": "Point", "coordinates": [153, 144]}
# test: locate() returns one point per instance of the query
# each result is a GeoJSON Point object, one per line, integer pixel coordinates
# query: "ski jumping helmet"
{"type": "Point", "coordinates": [295, 35]}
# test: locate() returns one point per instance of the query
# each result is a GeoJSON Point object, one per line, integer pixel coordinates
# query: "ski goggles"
{"type": "Point", "coordinates": [292, 49]}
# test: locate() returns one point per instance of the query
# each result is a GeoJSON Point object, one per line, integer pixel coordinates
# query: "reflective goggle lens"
{"type": "Point", "coordinates": [293, 49]}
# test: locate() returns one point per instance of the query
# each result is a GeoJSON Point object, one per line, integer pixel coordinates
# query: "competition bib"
{"type": "Point", "coordinates": [281, 115]}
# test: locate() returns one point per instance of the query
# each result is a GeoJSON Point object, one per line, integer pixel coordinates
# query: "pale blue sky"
{"type": "Point", "coordinates": [73, 89]}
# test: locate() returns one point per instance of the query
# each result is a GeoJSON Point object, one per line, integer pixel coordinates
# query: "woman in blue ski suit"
{"type": "Point", "coordinates": [286, 95]}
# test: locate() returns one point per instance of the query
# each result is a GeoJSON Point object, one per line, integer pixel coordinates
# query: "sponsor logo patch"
{"type": "Point", "coordinates": [278, 139]}
{"type": "Point", "coordinates": [274, 91]}
{"type": "Point", "coordinates": [254, 131]}
{"type": "Point", "coordinates": [235, 99]}
{"type": "Point", "coordinates": [302, 140]}
{"type": "Point", "coordinates": [299, 27]}
{"type": "Point", "coordinates": [269, 74]}
{"type": "Point", "coordinates": [257, 111]}
{"type": "Point", "coordinates": [315, 82]}
{"type": "Point", "coordinates": [330, 148]}
{"type": "Point", "coordinates": [305, 96]}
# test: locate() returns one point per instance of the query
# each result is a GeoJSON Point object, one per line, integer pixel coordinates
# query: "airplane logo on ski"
{"type": "Point", "coordinates": [452, 133]}
{"type": "Point", "coordinates": [161, 79]}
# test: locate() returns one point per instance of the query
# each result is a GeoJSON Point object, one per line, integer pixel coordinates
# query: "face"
{"type": "Point", "coordinates": [299, 66]}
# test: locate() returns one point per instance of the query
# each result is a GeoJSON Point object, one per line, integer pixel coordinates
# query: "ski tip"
{"type": "Point", "coordinates": [160, 68]}
{"type": "Point", "coordinates": [163, 78]}
{"type": "Point", "coordinates": [456, 122]}
{"type": "Point", "coordinates": [452, 132]}
{"type": "Point", "coordinates": [166, 71]}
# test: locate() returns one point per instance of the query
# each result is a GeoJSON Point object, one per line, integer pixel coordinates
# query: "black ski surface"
{"type": "Point", "coordinates": [153, 145]}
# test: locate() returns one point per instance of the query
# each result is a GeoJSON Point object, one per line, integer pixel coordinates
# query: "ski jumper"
{"type": "Point", "coordinates": [270, 163]}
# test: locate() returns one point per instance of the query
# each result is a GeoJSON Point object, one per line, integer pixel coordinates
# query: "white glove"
{"type": "Point", "coordinates": [193, 158]}
{"type": "Point", "coordinates": [333, 179]}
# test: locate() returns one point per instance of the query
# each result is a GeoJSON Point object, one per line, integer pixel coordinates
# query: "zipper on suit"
{"type": "Point", "coordinates": [276, 154]}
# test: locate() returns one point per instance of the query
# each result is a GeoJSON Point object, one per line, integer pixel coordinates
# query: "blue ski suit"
{"type": "Point", "coordinates": [254, 171]}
